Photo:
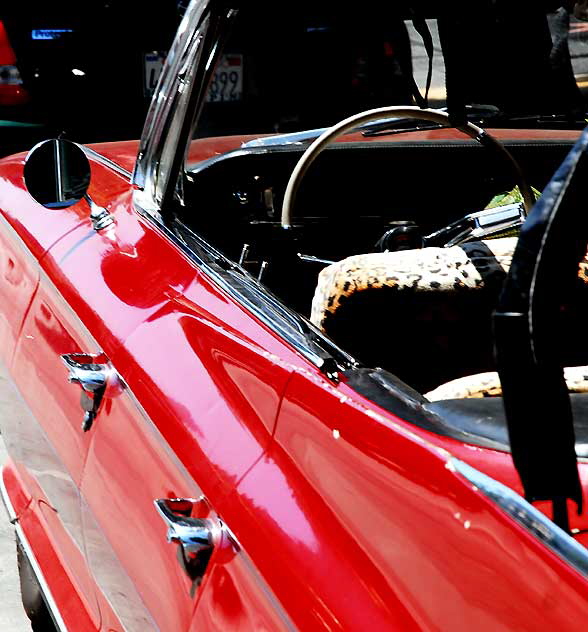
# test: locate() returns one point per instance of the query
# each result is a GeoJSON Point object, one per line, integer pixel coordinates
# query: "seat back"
{"type": "Point", "coordinates": [424, 315]}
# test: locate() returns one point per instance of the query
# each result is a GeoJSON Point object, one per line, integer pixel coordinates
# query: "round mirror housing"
{"type": "Point", "coordinates": [57, 173]}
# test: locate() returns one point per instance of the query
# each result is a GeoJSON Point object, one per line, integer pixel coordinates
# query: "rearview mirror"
{"type": "Point", "coordinates": [57, 173]}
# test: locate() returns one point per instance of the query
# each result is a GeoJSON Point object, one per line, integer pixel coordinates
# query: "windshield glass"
{"type": "Point", "coordinates": [319, 67]}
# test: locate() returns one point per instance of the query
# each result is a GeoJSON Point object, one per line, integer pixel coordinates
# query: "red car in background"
{"type": "Point", "coordinates": [253, 358]}
{"type": "Point", "coordinates": [11, 88]}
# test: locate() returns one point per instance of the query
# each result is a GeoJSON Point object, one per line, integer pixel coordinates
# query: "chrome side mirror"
{"type": "Point", "coordinates": [57, 173]}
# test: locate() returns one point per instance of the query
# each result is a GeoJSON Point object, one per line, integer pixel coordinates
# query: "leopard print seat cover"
{"type": "Point", "coordinates": [471, 267]}
{"type": "Point", "coordinates": [488, 385]}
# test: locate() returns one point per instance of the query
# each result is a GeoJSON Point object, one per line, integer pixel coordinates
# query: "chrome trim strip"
{"type": "Point", "coordinates": [297, 138]}
{"type": "Point", "coordinates": [47, 596]}
{"type": "Point", "coordinates": [527, 516]}
{"type": "Point", "coordinates": [165, 122]}
{"type": "Point", "coordinates": [294, 138]}
{"type": "Point", "coordinates": [299, 332]}
{"type": "Point", "coordinates": [106, 162]}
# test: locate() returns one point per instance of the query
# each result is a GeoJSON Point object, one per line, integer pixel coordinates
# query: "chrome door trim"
{"type": "Point", "coordinates": [537, 524]}
{"type": "Point", "coordinates": [44, 586]}
{"type": "Point", "coordinates": [290, 326]}
{"type": "Point", "coordinates": [106, 162]}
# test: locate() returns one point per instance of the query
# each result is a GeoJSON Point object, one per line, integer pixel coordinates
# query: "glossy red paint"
{"type": "Point", "coordinates": [64, 565]}
{"type": "Point", "coordinates": [303, 471]}
{"type": "Point", "coordinates": [96, 274]}
{"type": "Point", "coordinates": [220, 434]}
{"type": "Point", "coordinates": [126, 538]}
{"type": "Point", "coordinates": [235, 597]}
{"type": "Point", "coordinates": [416, 540]}
{"type": "Point", "coordinates": [37, 227]}
{"type": "Point", "coordinates": [175, 308]}
{"type": "Point", "coordinates": [18, 490]}
{"type": "Point", "coordinates": [18, 279]}
{"type": "Point", "coordinates": [495, 463]}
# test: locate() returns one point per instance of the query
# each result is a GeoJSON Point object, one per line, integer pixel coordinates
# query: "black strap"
{"type": "Point", "coordinates": [528, 325]}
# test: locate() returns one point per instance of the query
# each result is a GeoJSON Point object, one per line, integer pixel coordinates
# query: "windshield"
{"type": "Point", "coordinates": [319, 67]}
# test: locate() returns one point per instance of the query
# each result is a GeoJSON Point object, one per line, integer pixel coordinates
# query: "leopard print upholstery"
{"type": "Point", "coordinates": [469, 266]}
{"type": "Point", "coordinates": [488, 385]}
{"type": "Point", "coordinates": [424, 315]}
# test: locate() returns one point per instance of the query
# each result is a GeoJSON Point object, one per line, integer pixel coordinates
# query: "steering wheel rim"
{"type": "Point", "coordinates": [427, 114]}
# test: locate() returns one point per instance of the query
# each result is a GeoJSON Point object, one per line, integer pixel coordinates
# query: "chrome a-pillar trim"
{"type": "Point", "coordinates": [106, 162]}
{"type": "Point", "coordinates": [524, 514]}
{"type": "Point", "coordinates": [47, 596]}
{"type": "Point", "coordinates": [165, 124]}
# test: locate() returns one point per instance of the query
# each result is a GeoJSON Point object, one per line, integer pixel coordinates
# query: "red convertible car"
{"type": "Point", "coordinates": [252, 357]}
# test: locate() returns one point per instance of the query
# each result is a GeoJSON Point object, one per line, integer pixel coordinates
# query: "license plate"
{"type": "Point", "coordinates": [152, 70]}
{"type": "Point", "coordinates": [227, 82]}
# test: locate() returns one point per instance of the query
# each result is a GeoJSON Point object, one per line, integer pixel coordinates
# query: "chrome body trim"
{"type": "Point", "coordinates": [527, 516]}
{"type": "Point", "coordinates": [295, 138]}
{"type": "Point", "coordinates": [47, 596]}
{"type": "Point", "coordinates": [298, 138]}
{"type": "Point", "coordinates": [299, 332]}
{"type": "Point", "coordinates": [168, 131]}
{"type": "Point", "coordinates": [106, 162]}
{"type": "Point", "coordinates": [170, 106]}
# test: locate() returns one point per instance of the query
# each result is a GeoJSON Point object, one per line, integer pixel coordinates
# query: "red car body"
{"type": "Point", "coordinates": [330, 511]}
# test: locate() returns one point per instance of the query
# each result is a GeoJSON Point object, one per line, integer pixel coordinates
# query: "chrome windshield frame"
{"type": "Point", "coordinates": [176, 103]}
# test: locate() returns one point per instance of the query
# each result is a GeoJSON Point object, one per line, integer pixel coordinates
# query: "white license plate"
{"type": "Point", "coordinates": [227, 82]}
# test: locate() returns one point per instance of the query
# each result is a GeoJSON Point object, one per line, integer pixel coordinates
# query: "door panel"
{"type": "Point", "coordinates": [208, 402]}
{"type": "Point", "coordinates": [18, 279]}
{"type": "Point", "coordinates": [236, 597]}
{"type": "Point", "coordinates": [50, 330]}
{"type": "Point", "coordinates": [57, 446]}
{"type": "Point", "coordinates": [129, 466]}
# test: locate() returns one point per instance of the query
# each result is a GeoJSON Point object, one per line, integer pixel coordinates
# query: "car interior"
{"type": "Point", "coordinates": [356, 260]}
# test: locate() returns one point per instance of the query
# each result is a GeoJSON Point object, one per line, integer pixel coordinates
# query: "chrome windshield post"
{"type": "Point", "coordinates": [176, 103]}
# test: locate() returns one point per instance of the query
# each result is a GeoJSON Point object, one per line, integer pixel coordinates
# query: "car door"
{"type": "Point", "coordinates": [40, 481]}
{"type": "Point", "coordinates": [196, 408]}
{"type": "Point", "coordinates": [55, 465]}
{"type": "Point", "coordinates": [189, 404]}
